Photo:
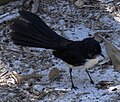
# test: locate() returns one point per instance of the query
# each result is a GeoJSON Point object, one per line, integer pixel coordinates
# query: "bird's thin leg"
{"type": "Point", "coordinates": [91, 81]}
{"type": "Point", "coordinates": [73, 86]}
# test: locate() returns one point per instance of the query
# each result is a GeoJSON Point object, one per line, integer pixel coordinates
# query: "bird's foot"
{"type": "Point", "coordinates": [74, 87]}
{"type": "Point", "coordinates": [92, 82]}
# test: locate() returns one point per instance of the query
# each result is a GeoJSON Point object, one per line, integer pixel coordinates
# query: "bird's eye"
{"type": "Point", "coordinates": [95, 50]}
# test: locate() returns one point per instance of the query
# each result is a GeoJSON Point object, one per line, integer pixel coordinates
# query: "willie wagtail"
{"type": "Point", "coordinates": [35, 33]}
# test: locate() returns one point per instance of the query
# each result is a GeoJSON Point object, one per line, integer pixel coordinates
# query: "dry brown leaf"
{"type": "Point", "coordinates": [54, 73]}
{"type": "Point", "coordinates": [113, 53]}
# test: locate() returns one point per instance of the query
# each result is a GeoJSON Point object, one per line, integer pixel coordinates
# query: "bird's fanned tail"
{"type": "Point", "coordinates": [35, 33]}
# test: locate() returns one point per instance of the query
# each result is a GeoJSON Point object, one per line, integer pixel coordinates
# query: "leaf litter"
{"type": "Point", "coordinates": [73, 23]}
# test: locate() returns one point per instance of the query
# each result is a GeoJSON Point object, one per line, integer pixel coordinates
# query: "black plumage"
{"type": "Point", "coordinates": [35, 33]}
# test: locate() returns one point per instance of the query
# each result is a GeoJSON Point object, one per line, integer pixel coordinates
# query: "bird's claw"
{"type": "Point", "coordinates": [92, 82]}
{"type": "Point", "coordinates": [74, 87]}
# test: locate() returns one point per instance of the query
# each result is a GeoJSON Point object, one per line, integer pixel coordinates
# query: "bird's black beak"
{"type": "Point", "coordinates": [102, 55]}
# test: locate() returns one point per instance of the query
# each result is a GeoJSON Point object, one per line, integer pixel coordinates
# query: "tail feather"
{"type": "Point", "coordinates": [39, 24]}
{"type": "Point", "coordinates": [24, 43]}
{"type": "Point", "coordinates": [35, 33]}
{"type": "Point", "coordinates": [25, 30]}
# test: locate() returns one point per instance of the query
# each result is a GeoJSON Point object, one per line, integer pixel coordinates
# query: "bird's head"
{"type": "Point", "coordinates": [92, 47]}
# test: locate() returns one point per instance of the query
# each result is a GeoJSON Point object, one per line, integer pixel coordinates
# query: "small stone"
{"type": "Point", "coordinates": [79, 3]}
{"type": "Point", "coordinates": [38, 87]}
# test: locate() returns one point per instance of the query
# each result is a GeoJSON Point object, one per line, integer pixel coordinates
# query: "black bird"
{"type": "Point", "coordinates": [35, 33]}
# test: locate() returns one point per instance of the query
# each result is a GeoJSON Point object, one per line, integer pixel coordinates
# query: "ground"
{"type": "Point", "coordinates": [72, 22]}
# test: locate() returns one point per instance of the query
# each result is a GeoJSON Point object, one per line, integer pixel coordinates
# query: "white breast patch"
{"type": "Point", "coordinates": [89, 63]}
